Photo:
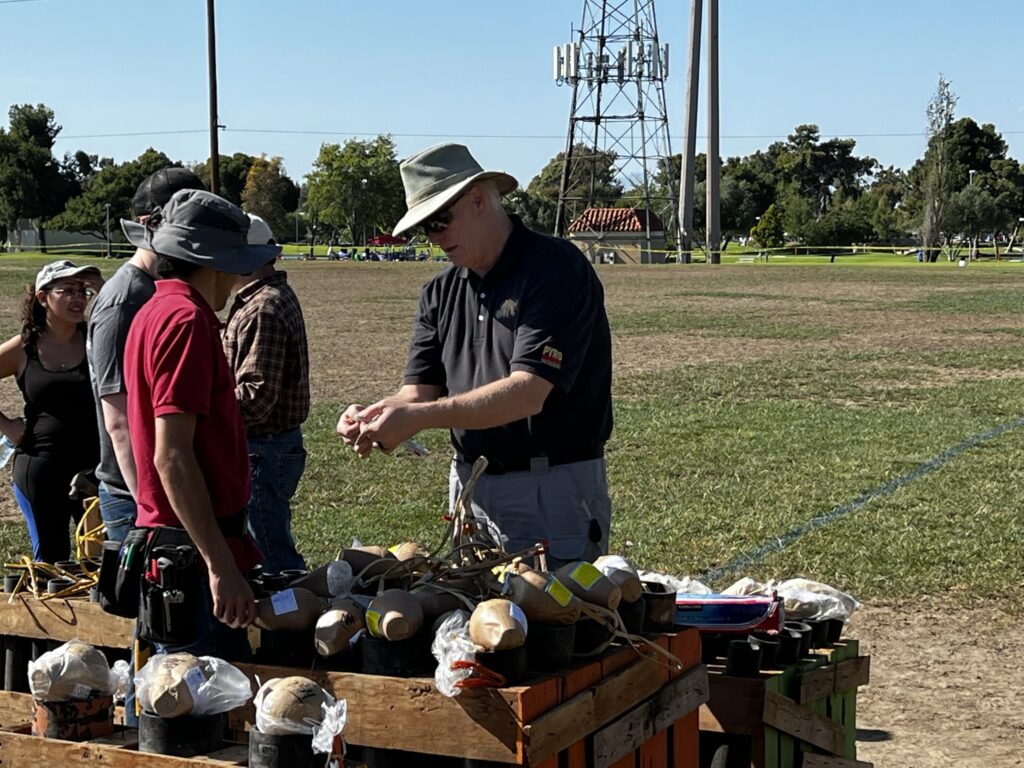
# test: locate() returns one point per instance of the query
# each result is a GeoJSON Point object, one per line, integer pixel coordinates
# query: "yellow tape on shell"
{"type": "Point", "coordinates": [585, 574]}
{"type": "Point", "coordinates": [559, 591]}
{"type": "Point", "coordinates": [373, 623]}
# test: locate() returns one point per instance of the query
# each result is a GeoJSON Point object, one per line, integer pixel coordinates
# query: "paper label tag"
{"type": "Point", "coordinates": [585, 575]}
{"type": "Point", "coordinates": [193, 679]}
{"type": "Point", "coordinates": [284, 602]}
{"type": "Point", "coordinates": [373, 622]}
{"type": "Point", "coordinates": [518, 616]}
{"type": "Point", "coordinates": [80, 691]}
{"type": "Point", "coordinates": [559, 591]}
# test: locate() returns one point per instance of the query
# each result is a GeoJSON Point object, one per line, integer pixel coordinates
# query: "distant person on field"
{"type": "Point", "coordinates": [58, 437]}
{"type": "Point", "coordinates": [511, 352]}
{"type": "Point", "coordinates": [120, 299]}
{"type": "Point", "coordinates": [265, 344]}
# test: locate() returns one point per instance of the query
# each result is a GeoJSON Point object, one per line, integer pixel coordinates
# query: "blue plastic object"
{"type": "Point", "coordinates": [729, 613]}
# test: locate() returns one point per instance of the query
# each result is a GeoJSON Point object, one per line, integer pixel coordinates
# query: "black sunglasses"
{"type": "Point", "coordinates": [438, 223]}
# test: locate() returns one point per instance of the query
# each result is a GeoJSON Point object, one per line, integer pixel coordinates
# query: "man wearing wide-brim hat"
{"type": "Point", "coordinates": [188, 440]}
{"type": "Point", "coordinates": [511, 352]}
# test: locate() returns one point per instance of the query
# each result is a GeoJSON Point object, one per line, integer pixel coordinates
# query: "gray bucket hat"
{"type": "Point", "coordinates": [436, 176]}
{"type": "Point", "coordinates": [199, 227]}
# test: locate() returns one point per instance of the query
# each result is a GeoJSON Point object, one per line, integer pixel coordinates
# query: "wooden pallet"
{"type": "Point", "coordinates": [603, 713]}
{"type": "Point", "coordinates": [623, 710]}
{"type": "Point", "coordinates": [62, 620]}
{"type": "Point", "coordinates": [804, 714]}
{"type": "Point", "coordinates": [18, 747]}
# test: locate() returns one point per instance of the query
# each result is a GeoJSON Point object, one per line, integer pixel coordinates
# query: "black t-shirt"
{"type": "Point", "coordinates": [540, 309]}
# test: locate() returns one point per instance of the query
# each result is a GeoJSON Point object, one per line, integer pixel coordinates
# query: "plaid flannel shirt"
{"type": "Point", "coordinates": [265, 344]}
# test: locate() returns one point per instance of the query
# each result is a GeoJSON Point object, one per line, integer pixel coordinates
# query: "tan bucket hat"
{"type": "Point", "coordinates": [437, 176]}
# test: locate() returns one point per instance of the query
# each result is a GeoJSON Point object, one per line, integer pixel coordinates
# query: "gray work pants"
{"type": "Point", "coordinates": [567, 506]}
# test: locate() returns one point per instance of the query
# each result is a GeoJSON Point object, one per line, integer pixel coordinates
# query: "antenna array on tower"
{"type": "Point", "coordinates": [616, 67]}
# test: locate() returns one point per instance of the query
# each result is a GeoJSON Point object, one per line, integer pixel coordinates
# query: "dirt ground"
{"type": "Point", "coordinates": [947, 687]}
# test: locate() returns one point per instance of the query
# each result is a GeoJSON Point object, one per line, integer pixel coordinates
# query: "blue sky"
{"type": "Point", "coordinates": [479, 71]}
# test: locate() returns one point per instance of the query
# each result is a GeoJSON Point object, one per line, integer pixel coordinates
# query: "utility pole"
{"type": "Point", "coordinates": [211, 48]}
{"type": "Point", "coordinates": [687, 180]}
{"type": "Point", "coordinates": [714, 230]}
{"type": "Point", "coordinates": [108, 230]}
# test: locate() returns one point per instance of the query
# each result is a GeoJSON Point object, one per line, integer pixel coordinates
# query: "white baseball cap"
{"type": "Point", "coordinates": [259, 231]}
{"type": "Point", "coordinates": [58, 270]}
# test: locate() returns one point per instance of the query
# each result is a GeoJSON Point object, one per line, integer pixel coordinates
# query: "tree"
{"type": "Point", "coordinates": [520, 203]}
{"type": "Point", "coordinates": [592, 180]}
{"type": "Point", "coordinates": [81, 167]}
{"type": "Point", "coordinates": [844, 223]}
{"type": "Point", "coordinates": [816, 170]}
{"type": "Point", "coordinates": [938, 177]}
{"type": "Point", "coordinates": [1005, 182]}
{"type": "Point", "coordinates": [769, 231]}
{"type": "Point", "coordinates": [113, 184]}
{"type": "Point", "coordinates": [972, 211]}
{"type": "Point", "coordinates": [234, 173]}
{"type": "Point", "coordinates": [33, 184]}
{"type": "Point", "coordinates": [884, 201]}
{"type": "Point", "coordinates": [798, 214]}
{"type": "Point", "coordinates": [748, 189]}
{"type": "Point", "coordinates": [270, 194]}
{"type": "Point", "coordinates": [357, 187]}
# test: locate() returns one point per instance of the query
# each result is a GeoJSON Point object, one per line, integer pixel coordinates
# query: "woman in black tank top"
{"type": "Point", "coordinates": [57, 438]}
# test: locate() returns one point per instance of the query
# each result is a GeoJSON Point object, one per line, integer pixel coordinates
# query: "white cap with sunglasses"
{"type": "Point", "coordinates": [435, 178]}
{"type": "Point", "coordinates": [59, 270]}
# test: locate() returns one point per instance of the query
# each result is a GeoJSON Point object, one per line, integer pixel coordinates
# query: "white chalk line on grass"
{"type": "Point", "coordinates": [741, 562]}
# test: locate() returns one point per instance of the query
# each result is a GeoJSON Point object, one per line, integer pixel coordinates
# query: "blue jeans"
{"type": "Point", "coordinates": [118, 513]}
{"type": "Point", "coordinates": [277, 464]}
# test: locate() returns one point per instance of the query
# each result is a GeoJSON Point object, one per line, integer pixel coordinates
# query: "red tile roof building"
{"type": "Point", "coordinates": [619, 235]}
{"type": "Point", "coordinates": [616, 220]}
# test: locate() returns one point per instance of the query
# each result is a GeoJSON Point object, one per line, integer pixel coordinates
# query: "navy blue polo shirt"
{"type": "Point", "coordinates": [540, 309]}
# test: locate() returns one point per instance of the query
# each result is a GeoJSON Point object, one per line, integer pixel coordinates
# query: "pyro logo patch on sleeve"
{"type": "Point", "coordinates": [551, 356]}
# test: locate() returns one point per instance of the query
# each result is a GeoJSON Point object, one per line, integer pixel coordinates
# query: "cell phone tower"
{"type": "Point", "coordinates": [617, 67]}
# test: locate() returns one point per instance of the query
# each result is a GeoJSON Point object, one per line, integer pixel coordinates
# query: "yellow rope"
{"type": "Point", "coordinates": [84, 581]}
{"type": "Point", "coordinates": [85, 535]}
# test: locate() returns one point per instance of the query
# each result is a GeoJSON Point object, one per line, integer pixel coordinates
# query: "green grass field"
{"type": "Point", "coordinates": [749, 399]}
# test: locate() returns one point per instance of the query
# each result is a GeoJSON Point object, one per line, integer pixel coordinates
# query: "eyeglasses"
{"type": "Point", "coordinates": [438, 223]}
{"type": "Point", "coordinates": [67, 291]}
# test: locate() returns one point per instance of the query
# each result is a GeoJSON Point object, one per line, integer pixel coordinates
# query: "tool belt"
{"type": "Point", "coordinates": [157, 576]}
{"type": "Point", "coordinates": [121, 568]}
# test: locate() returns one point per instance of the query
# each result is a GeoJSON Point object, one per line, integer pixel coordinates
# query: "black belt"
{"type": "Point", "coordinates": [536, 463]}
{"type": "Point", "coordinates": [232, 526]}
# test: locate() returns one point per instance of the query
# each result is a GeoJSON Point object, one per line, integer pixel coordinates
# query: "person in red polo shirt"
{"type": "Point", "coordinates": [188, 438]}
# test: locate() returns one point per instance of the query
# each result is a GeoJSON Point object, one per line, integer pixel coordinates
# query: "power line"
{"type": "Point", "coordinates": [132, 133]}
{"type": "Point", "coordinates": [527, 136]}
